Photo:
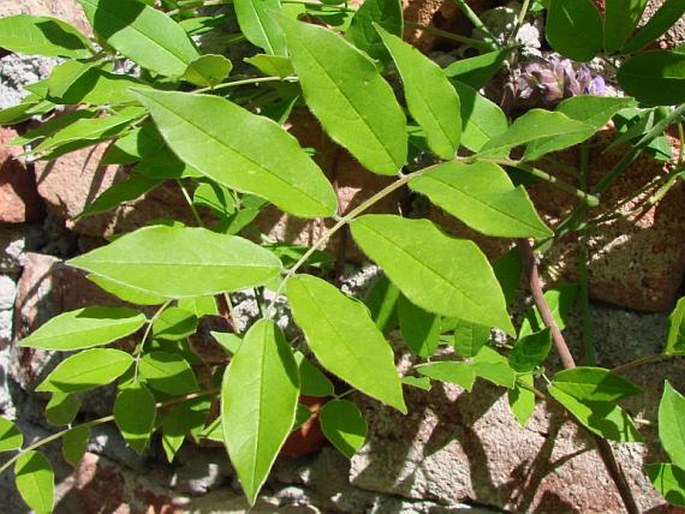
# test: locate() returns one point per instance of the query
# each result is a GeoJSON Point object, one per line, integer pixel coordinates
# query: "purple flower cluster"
{"type": "Point", "coordinates": [551, 80]}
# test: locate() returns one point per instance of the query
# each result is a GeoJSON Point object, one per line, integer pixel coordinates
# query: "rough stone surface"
{"type": "Point", "coordinates": [19, 199]}
{"type": "Point", "coordinates": [67, 10]}
{"type": "Point", "coordinates": [675, 36]}
{"type": "Point", "coordinates": [15, 240]}
{"type": "Point", "coordinates": [18, 71]}
{"type": "Point", "coordinates": [74, 180]}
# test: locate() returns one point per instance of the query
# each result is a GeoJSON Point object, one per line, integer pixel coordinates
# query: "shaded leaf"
{"type": "Point", "coordinates": [428, 267]}
{"type": "Point", "coordinates": [530, 351]}
{"type": "Point", "coordinates": [560, 300]}
{"type": "Point", "coordinates": [345, 91]}
{"type": "Point", "coordinates": [655, 78]}
{"type": "Point", "coordinates": [75, 444]}
{"type": "Point", "coordinates": [481, 119]}
{"type": "Point", "coordinates": [146, 258]}
{"type": "Point", "coordinates": [168, 372]}
{"type": "Point", "coordinates": [85, 328]}
{"type": "Point", "coordinates": [469, 338]}
{"type": "Point", "coordinates": [675, 341]}
{"type": "Point", "coordinates": [42, 35]}
{"type": "Point", "coordinates": [143, 34]}
{"type": "Point", "coordinates": [361, 32]}
{"type": "Point", "coordinates": [36, 481]}
{"type": "Point", "coordinates": [382, 303]}
{"type": "Point", "coordinates": [312, 380]}
{"type": "Point", "coordinates": [174, 324]}
{"type": "Point", "coordinates": [476, 71]}
{"type": "Point", "coordinates": [420, 329]}
{"type": "Point", "coordinates": [126, 293]}
{"type": "Point", "coordinates": [62, 408]}
{"type": "Point", "coordinates": [208, 70]}
{"type": "Point", "coordinates": [344, 339]}
{"type": "Point", "coordinates": [522, 401]}
{"type": "Point", "coordinates": [494, 367]}
{"type": "Point", "coordinates": [119, 193]}
{"type": "Point", "coordinates": [258, 403]}
{"type": "Point", "coordinates": [667, 15]}
{"type": "Point", "coordinates": [431, 99]}
{"type": "Point", "coordinates": [10, 436]}
{"type": "Point", "coordinates": [620, 19]}
{"type": "Point", "coordinates": [566, 21]}
{"type": "Point", "coordinates": [241, 150]}
{"type": "Point", "coordinates": [187, 417]}
{"type": "Point", "coordinates": [594, 384]}
{"type": "Point", "coordinates": [669, 480]}
{"type": "Point", "coordinates": [258, 27]}
{"type": "Point", "coordinates": [134, 414]}
{"type": "Point", "coordinates": [86, 370]}
{"type": "Point", "coordinates": [272, 65]}
{"type": "Point", "coordinates": [482, 196]}
{"type": "Point", "coordinates": [343, 425]}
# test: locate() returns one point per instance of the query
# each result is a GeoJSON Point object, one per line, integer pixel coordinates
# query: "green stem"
{"type": "Point", "coordinates": [195, 5]}
{"type": "Point", "coordinates": [139, 348]}
{"type": "Point", "coordinates": [588, 344]}
{"type": "Point", "coordinates": [475, 43]}
{"type": "Point", "coordinates": [235, 83]}
{"type": "Point", "coordinates": [519, 21]}
{"type": "Point", "coordinates": [477, 23]}
{"type": "Point", "coordinates": [191, 205]}
{"type": "Point", "coordinates": [650, 359]}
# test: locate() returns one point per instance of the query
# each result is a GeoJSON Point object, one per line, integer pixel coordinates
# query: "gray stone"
{"type": "Point", "coordinates": [15, 241]}
{"type": "Point", "coordinates": [18, 71]}
{"type": "Point", "coordinates": [200, 470]}
{"type": "Point", "coordinates": [8, 291]}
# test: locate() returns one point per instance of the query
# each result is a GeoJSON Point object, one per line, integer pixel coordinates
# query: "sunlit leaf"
{"type": "Point", "coordinates": [86, 370]}
{"type": "Point", "coordinates": [134, 414]}
{"type": "Point", "coordinates": [36, 481]}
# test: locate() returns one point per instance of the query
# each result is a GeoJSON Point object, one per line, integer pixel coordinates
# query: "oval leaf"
{"type": "Point", "coordinates": [481, 119]}
{"type": "Point", "coordinates": [574, 28]}
{"type": "Point", "coordinates": [85, 328]}
{"type": "Point", "coordinates": [459, 373]}
{"type": "Point", "coordinates": [258, 27]}
{"type": "Point", "coordinates": [174, 324]}
{"type": "Point", "coordinates": [126, 293]}
{"type": "Point", "coordinates": [672, 424]}
{"type": "Point", "coordinates": [86, 370]}
{"type": "Point", "coordinates": [482, 196]}
{"type": "Point", "coordinates": [62, 408]}
{"type": "Point", "coordinates": [675, 341]}
{"type": "Point", "coordinates": [36, 481]}
{"type": "Point", "coordinates": [668, 15]}
{"type": "Point", "coordinates": [10, 436]}
{"type": "Point", "coordinates": [134, 414]}
{"type": "Point", "coordinates": [420, 329]}
{"type": "Point", "coordinates": [42, 35]}
{"type": "Point", "coordinates": [602, 418]}
{"type": "Point", "coordinates": [490, 365]}
{"type": "Point", "coordinates": [469, 338]}
{"type": "Point", "coordinates": [431, 99]}
{"type": "Point", "coordinates": [656, 78]}
{"type": "Point", "coordinates": [208, 70]}
{"type": "Point", "coordinates": [75, 444]}
{"type": "Point", "coordinates": [345, 339]}
{"type": "Point", "coordinates": [258, 403]}
{"type": "Point", "coordinates": [620, 19]}
{"type": "Point", "coordinates": [669, 480]}
{"type": "Point", "coordinates": [361, 32]}
{"type": "Point", "coordinates": [241, 150]}
{"type": "Point", "coordinates": [530, 351]}
{"type": "Point", "coordinates": [441, 274]}
{"type": "Point", "coordinates": [168, 373]}
{"type": "Point", "coordinates": [143, 34]}
{"type": "Point", "coordinates": [345, 91]}
{"type": "Point", "coordinates": [312, 380]}
{"type": "Point", "coordinates": [594, 384]}
{"type": "Point", "coordinates": [179, 262]}
{"type": "Point", "coordinates": [344, 426]}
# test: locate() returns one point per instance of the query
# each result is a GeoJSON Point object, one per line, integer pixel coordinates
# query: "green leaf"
{"type": "Point", "coordinates": [75, 444]}
{"type": "Point", "coordinates": [119, 193]}
{"type": "Point", "coordinates": [560, 300]}
{"type": "Point", "coordinates": [208, 70]}
{"type": "Point", "coordinates": [86, 370]}
{"type": "Point", "coordinates": [344, 339]}
{"type": "Point", "coordinates": [669, 480]}
{"type": "Point", "coordinates": [655, 78]}
{"type": "Point", "coordinates": [85, 328]}
{"type": "Point", "coordinates": [174, 324]}
{"type": "Point", "coordinates": [177, 422]}
{"type": "Point", "coordinates": [423, 383]}
{"type": "Point", "coordinates": [147, 258]}
{"type": "Point", "coordinates": [200, 306]}
{"type": "Point", "coordinates": [74, 82]}
{"type": "Point", "coordinates": [302, 415]}
{"type": "Point", "coordinates": [42, 35]}
{"type": "Point", "coordinates": [258, 403]}
{"type": "Point", "coordinates": [241, 150]}
{"type": "Point", "coordinates": [431, 99]}
{"type": "Point", "coordinates": [594, 384]}
{"type": "Point", "coordinates": [31, 106]}
{"type": "Point", "coordinates": [522, 401]}
{"type": "Point", "coordinates": [481, 119]}
{"type": "Point", "coordinates": [508, 269]}
{"type": "Point", "coordinates": [675, 341]}
{"type": "Point", "coordinates": [143, 34]}
{"type": "Point", "coordinates": [10, 436]}
{"type": "Point", "coordinates": [534, 126]}
{"type": "Point", "coordinates": [459, 373]}
{"type": "Point", "coordinates": [62, 408]}
{"type": "Point", "coordinates": [272, 65]}
{"type": "Point", "coordinates": [430, 268]}
{"type": "Point", "coordinates": [134, 414]}
{"type": "Point", "coordinates": [382, 303]}
{"type": "Point", "coordinates": [567, 20]}
{"type": "Point", "coordinates": [258, 27]}
{"type": "Point", "coordinates": [530, 351]}
{"type": "Point", "coordinates": [50, 127]}
{"type": "Point", "coordinates": [469, 338]}
{"type": "Point", "coordinates": [672, 424]}
{"type": "Point", "coordinates": [667, 15]}
{"type": "Point", "coordinates": [476, 71]}
{"type": "Point", "coordinates": [593, 111]}
{"type": "Point", "coordinates": [483, 196]}
{"type": "Point", "coordinates": [36, 481]}
{"type": "Point", "coordinates": [168, 373]}
{"type": "Point", "coordinates": [420, 329]}
{"type": "Point", "coordinates": [165, 165]}
{"type": "Point", "coordinates": [602, 418]}
{"type": "Point", "coordinates": [128, 294]}
{"type": "Point", "coordinates": [215, 197]}
{"type": "Point", "coordinates": [620, 19]}
{"type": "Point", "coordinates": [312, 380]}
{"type": "Point", "coordinates": [345, 91]}
{"type": "Point", "coordinates": [138, 143]}
{"type": "Point", "coordinates": [494, 367]}
{"type": "Point", "coordinates": [343, 425]}
{"type": "Point", "coordinates": [229, 342]}
{"type": "Point", "coordinates": [361, 32]}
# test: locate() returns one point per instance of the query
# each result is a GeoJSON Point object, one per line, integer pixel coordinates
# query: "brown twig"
{"type": "Point", "coordinates": [603, 447]}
